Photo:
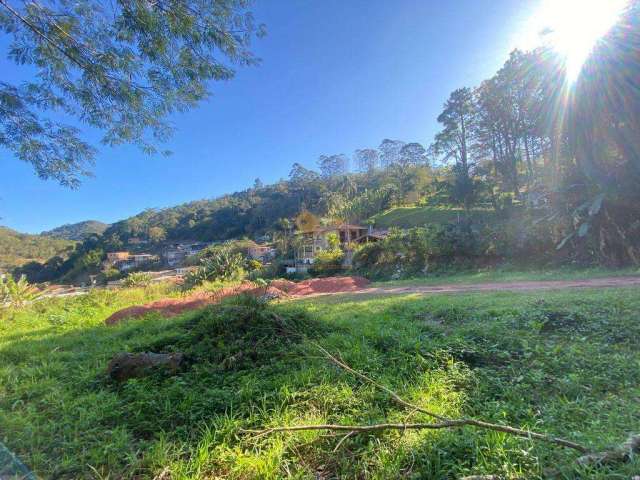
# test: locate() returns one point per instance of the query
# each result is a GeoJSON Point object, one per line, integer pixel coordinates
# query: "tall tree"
{"type": "Point", "coordinates": [412, 154]}
{"type": "Point", "coordinates": [366, 159]}
{"type": "Point", "coordinates": [390, 152]}
{"type": "Point", "coordinates": [454, 140]}
{"type": "Point", "coordinates": [121, 67]}
{"type": "Point", "coordinates": [333, 165]}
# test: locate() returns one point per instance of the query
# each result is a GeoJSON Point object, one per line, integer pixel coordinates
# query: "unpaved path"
{"type": "Point", "coordinates": [606, 282]}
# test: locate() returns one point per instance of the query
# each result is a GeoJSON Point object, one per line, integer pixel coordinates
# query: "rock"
{"type": "Point", "coordinates": [623, 453]}
{"type": "Point", "coordinates": [124, 366]}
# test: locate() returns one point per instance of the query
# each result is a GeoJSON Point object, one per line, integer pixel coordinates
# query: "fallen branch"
{"type": "Point", "coordinates": [359, 429]}
{"type": "Point", "coordinates": [443, 422]}
{"type": "Point", "coordinates": [453, 423]}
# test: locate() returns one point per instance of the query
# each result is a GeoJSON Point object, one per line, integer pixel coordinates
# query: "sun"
{"type": "Point", "coordinates": [571, 27]}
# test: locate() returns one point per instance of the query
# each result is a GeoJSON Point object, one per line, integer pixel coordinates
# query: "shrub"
{"type": "Point", "coordinates": [137, 279]}
{"type": "Point", "coordinates": [17, 293]}
{"type": "Point", "coordinates": [421, 249]}
{"type": "Point", "coordinates": [220, 263]}
{"type": "Point", "coordinates": [111, 273]}
{"type": "Point", "coordinates": [327, 262]}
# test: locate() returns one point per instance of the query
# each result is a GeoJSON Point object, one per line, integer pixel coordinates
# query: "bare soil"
{"type": "Point", "coordinates": [170, 307]}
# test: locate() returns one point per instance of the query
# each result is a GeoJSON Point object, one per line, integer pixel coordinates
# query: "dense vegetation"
{"type": "Point", "coordinates": [19, 248]}
{"type": "Point", "coordinates": [565, 365]}
{"type": "Point", "coordinates": [527, 168]}
{"type": "Point", "coordinates": [77, 231]}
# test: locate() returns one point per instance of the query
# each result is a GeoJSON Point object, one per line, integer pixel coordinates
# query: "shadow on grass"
{"type": "Point", "coordinates": [62, 415]}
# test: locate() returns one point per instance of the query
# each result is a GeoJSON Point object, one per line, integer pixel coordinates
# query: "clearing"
{"type": "Point", "coordinates": [560, 362]}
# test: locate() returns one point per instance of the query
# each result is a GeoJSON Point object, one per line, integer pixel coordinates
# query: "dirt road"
{"type": "Point", "coordinates": [606, 282]}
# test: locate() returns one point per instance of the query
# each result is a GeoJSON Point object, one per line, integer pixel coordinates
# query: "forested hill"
{"type": "Point", "coordinates": [252, 212]}
{"type": "Point", "coordinates": [19, 248]}
{"type": "Point", "coordinates": [77, 231]}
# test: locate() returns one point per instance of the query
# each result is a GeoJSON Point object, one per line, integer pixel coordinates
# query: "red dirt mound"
{"type": "Point", "coordinates": [170, 307]}
{"type": "Point", "coordinates": [317, 286]}
{"type": "Point", "coordinates": [284, 285]}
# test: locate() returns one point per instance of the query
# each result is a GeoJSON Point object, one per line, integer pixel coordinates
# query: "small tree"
{"type": "Point", "coordinates": [17, 293]}
{"type": "Point", "coordinates": [306, 221]}
{"type": "Point", "coordinates": [220, 263]}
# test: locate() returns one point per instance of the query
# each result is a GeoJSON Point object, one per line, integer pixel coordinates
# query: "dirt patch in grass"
{"type": "Point", "coordinates": [318, 286]}
{"type": "Point", "coordinates": [170, 307]}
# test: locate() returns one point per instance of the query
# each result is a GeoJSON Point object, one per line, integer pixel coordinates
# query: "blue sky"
{"type": "Point", "coordinates": [335, 76]}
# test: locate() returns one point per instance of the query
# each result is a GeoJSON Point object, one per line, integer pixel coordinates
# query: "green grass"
{"type": "Point", "coordinates": [408, 217]}
{"type": "Point", "coordinates": [511, 275]}
{"type": "Point", "coordinates": [562, 362]}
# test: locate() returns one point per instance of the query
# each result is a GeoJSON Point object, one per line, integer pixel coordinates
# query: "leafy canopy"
{"type": "Point", "coordinates": [121, 67]}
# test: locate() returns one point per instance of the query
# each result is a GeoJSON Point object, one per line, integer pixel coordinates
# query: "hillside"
{"type": "Point", "coordinates": [77, 231]}
{"type": "Point", "coordinates": [408, 217]}
{"type": "Point", "coordinates": [19, 248]}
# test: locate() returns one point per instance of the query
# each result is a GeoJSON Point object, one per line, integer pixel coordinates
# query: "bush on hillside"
{"type": "Point", "coordinates": [220, 263]}
{"type": "Point", "coordinates": [137, 279]}
{"type": "Point", "coordinates": [405, 253]}
{"type": "Point", "coordinates": [327, 262]}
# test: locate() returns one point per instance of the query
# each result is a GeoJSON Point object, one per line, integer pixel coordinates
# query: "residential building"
{"type": "Point", "coordinates": [263, 253]}
{"type": "Point", "coordinates": [176, 253]}
{"type": "Point", "coordinates": [113, 257]}
{"type": "Point", "coordinates": [315, 240]}
{"type": "Point", "coordinates": [124, 261]}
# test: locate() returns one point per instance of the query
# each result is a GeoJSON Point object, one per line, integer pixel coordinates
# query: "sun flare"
{"type": "Point", "coordinates": [571, 27]}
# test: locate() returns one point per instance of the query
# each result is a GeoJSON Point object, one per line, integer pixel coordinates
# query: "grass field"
{"type": "Point", "coordinates": [562, 362]}
{"type": "Point", "coordinates": [505, 275]}
{"type": "Point", "coordinates": [408, 217]}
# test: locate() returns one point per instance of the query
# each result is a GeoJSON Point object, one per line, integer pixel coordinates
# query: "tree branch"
{"type": "Point", "coordinates": [41, 34]}
{"type": "Point", "coordinates": [443, 422]}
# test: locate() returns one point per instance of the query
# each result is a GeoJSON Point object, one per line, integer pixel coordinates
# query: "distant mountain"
{"type": "Point", "coordinates": [19, 248]}
{"type": "Point", "coordinates": [77, 231]}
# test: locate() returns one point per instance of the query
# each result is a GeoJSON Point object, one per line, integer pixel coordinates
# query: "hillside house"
{"type": "Point", "coordinates": [114, 257]}
{"type": "Point", "coordinates": [124, 261]}
{"type": "Point", "coordinates": [262, 253]}
{"type": "Point", "coordinates": [317, 239]}
{"type": "Point", "coordinates": [176, 253]}
{"type": "Point", "coordinates": [372, 236]}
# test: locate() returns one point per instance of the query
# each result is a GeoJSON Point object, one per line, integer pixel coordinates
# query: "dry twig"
{"type": "Point", "coordinates": [443, 422]}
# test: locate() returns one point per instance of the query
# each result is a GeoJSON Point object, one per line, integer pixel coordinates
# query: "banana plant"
{"type": "Point", "coordinates": [17, 293]}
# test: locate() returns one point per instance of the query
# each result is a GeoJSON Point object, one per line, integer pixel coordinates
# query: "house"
{"type": "Point", "coordinates": [176, 253]}
{"type": "Point", "coordinates": [182, 271]}
{"type": "Point", "coordinates": [114, 257]}
{"type": "Point", "coordinates": [124, 261]}
{"type": "Point", "coordinates": [142, 258]}
{"type": "Point", "coordinates": [372, 236]}
{"type": "Point", "coordinates": [263, 253]}
{"type": "Point", "coordinates": [316, 240]}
